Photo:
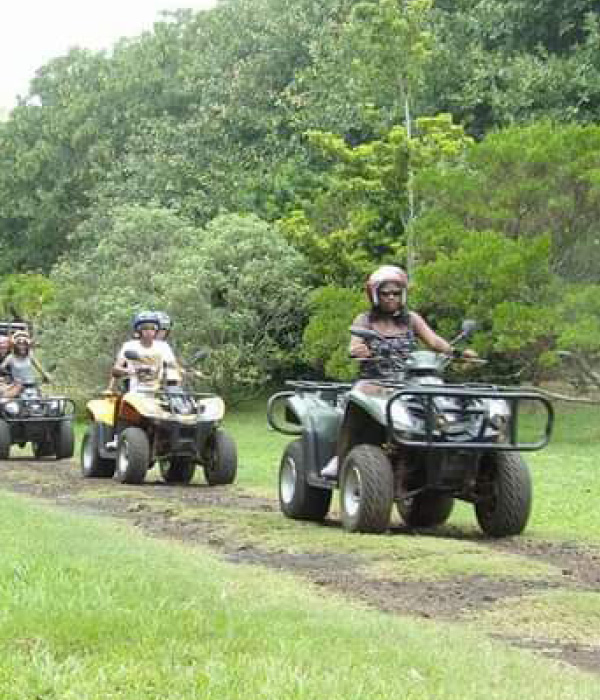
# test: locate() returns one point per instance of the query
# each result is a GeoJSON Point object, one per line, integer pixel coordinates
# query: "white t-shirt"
{"type": "Point", "coordinates": [171, 365]}
{"type": "Point", "coordinates": [157, 357]}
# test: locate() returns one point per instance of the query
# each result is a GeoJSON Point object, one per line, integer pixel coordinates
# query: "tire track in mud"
{"type": "Point", "coordinates": [155, 508]}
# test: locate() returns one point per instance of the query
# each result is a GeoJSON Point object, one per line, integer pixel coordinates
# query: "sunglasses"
{"type": "Point", "coordinates": [147, 327]}
{"type": "Point", "coordinates": [391, 293]}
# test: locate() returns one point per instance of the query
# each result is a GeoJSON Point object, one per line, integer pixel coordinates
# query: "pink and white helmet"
{"type": "Point", "coordinates": [386, 273]}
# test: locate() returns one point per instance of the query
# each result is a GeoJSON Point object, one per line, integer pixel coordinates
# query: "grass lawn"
{"type": "Point", "coordinates": [91, 610]}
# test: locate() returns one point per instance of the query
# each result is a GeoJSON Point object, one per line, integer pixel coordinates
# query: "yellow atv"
{"type": "Point", "coordinates": [133, 431]}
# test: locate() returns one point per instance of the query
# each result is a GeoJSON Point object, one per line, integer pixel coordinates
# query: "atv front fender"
{"type": "Point", "coordinates": [315, 419]}
{"type": "Point", "coordinates": [102, 410]}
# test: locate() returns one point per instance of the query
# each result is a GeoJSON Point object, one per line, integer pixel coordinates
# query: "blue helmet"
{"type": "Point", "coordinates": [145, 317]}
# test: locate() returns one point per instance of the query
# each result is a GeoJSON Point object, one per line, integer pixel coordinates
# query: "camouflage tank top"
{"type": "Point", "coordinates": [398, 332]}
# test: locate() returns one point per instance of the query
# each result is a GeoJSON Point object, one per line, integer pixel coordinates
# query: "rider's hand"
{"type": "Point", "coordinates": [469, 354]}
{"type": "Point", "coordinates": [361, 351]}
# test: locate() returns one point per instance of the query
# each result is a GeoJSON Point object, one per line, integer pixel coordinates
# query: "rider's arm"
{"type": "Point", "coordinates": [45, 376]}
{"type": "Point", "coordinates": [428, 336]}
{"type": "Point", "coordinates": [358, 347]}
{"type": "Point", "coordinates": [120, 368]}
{"type": "Point", "coordinates": [6, 368]}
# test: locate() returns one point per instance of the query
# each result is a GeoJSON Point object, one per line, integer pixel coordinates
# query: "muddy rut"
{"type": "Point", "coordinates": [156, 509]}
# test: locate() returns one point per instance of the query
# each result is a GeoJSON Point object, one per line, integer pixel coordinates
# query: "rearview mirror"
{"type": "Point", "coordinates": [469, 326]}
{"type": "Point", "coordinates": [199, 355]}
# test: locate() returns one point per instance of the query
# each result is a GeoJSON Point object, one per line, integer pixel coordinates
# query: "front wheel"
{"type": "Point", "coordinates": [297, 498]}
{"type": "Point", "coordinates": [178, 470]}
{"type": "Point", "coordinates": [221, 464]}
{"type": "Point", "coordinates": [133, 456]}
{"type": "Point", "coordinates": [64, 440]}
{"type": "Point", "coordinates": [505, 490]}
{"type": "Point", "coordinates": [366, 490]}
{"type": "Point", "coordinates": [4, 440]}
{"type": "Point", "coordinates": [426, 509]}
{"type": "Point", "coordinates": [93, 465]}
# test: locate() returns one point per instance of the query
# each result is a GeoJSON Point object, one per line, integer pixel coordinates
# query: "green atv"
{"type": "Point", "coordinates": [407, 437]}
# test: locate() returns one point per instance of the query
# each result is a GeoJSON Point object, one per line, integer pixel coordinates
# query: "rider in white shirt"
{"type": "Point", "coordinates": [154, 357]}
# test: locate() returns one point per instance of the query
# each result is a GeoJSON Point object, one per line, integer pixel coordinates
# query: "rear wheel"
{"type": "Point", "coordinates": [4, 440]}
{"type": "Point", "coordinates": [92, 464]}
{"type": "Point", "coordinates": [64, 440]}
{"type": "Point", "coordinates": [133, 456]}
{"type": "Point", "coordinates": [297, 498]}
{"type": "Point", "coordinates": [41, 449]}
{"type": "Point", "coordinates": [221, 464]}
{"type": "Point", "coordinates": [426, 509]}
{"type": "Point", "coordinates": [366, 490]}
{"type": "Point", "coordinates": [504, 485]}
{"type": "Point", "coordinates": [178, 470]}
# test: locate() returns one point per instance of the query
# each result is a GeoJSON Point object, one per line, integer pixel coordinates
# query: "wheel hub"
{"type": "Point", "coordinates": [352, 492]}
{"type": "Point", "coordinates": [288, 480]}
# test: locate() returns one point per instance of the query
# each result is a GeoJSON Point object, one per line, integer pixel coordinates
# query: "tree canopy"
{"type": "Point", "coordinates": [313, 139]}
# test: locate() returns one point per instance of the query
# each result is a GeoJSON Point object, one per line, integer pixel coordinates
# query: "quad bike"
{"type": "Point", "coordinates": [44, 421]}
{"type": "Point", "coordinates": [407, 438]}
{"type": "Point", "coordinates": [133, 431]}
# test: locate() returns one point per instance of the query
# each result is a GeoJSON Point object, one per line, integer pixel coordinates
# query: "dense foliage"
{"type": "Point", "coordinates": [235, 287]}
{"type": "Point", "coordinates": [145, 176]}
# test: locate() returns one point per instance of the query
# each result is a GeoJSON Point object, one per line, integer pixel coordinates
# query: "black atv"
{"type": "Point", "coordinates": [408, 438]}
{"type": "Point", "coordinates": [44, 421]}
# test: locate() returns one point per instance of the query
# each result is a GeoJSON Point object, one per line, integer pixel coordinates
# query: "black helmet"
{"type": "Point", "coordinates": [145, 317]}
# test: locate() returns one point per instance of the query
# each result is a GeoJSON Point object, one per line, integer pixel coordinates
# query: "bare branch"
{"type": "Point", "coordinates": [562, 397]}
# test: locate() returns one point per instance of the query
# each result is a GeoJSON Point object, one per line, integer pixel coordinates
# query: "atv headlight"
{"type": "Point", "coordinates": [211, 409]}
{"type": "Point", "coordinates": [12, 409]}
{"type": "Point", "coordinates": [55, 407]}
{"type": "Point", "coordinates": [498, 413]}
{"type": "Point", "coordinates": [400, 416]}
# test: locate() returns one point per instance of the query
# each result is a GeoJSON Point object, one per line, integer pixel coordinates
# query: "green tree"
{"type": "Point", "coordinates": [524, 182]}
{"type": "Point", "coordinates": [499, 62]}
{"type": "Point", "coordinates": [242, 293]}
{"type": "Point", "coordinates": [25, 296]}
{"type": "Point", "coordinates": [234, 287]}
{"type": "Point", "coordinates": [326, 337]}
{"type": "Point", "coordinates": [363, 209]}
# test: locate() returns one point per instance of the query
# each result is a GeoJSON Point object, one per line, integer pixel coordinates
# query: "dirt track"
{"type": "Point", "coordinates": [157, 509]}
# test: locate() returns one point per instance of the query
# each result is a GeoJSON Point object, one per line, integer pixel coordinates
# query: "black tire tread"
{"type": "Point", "coordinates": [64, 440]}
{"type": "Point", "coordinates": [180, 470]}
{"type": "Point", "coordinates": [5, 442]}
{"type": "Point", "coordinates": [223, 462]}
{"type": "Point", "coordinates": [139, 456]}
{"type": "Point", "coordinates": [378, 489]}
{"type": "Point", "coordinates": [308, 503]}
{"type": "Point", "coordinates": [101, 467]}
{"type": "Point", "coordinates": [509, 513]}
{"type": "Point", "coordinates": [426, 509]}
